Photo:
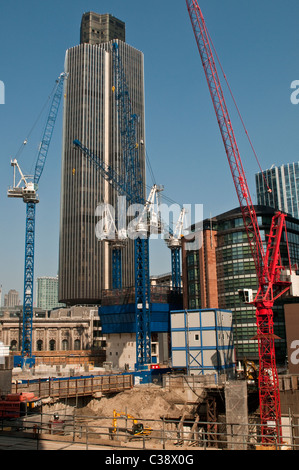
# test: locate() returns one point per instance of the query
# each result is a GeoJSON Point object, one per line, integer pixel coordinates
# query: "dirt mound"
{"type": "Point", "coordinates": [142, 402]}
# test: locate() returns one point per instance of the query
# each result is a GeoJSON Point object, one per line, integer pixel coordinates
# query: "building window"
{"type": "Point", "coordinates": [14, 345]}
{"type": "Point", "coordinates": [39, 345]}
{"type": "Point", "coordinates": [52, 345]}
{"type": "Point", "coordinates": [65, 345]}
{"type": "Point", "coordinates": [77, 344]}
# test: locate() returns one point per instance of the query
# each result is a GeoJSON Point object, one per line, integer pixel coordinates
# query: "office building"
{"type": "Point", "coordinates": [90, 115]}
{"type": "Point", "coordinates": [222, 265]}
{"type": "Point", "coordinates": [11, 299]}
{"type": "Point", "coordinates": [283, 181]}
{"type": "Point", "coordinates": [96, 29]}
{"type": "Point", "coordinates": [47, 293]}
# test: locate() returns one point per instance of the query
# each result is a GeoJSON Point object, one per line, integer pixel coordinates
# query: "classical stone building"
{"type": "Point", "coordinates": [62, 330]}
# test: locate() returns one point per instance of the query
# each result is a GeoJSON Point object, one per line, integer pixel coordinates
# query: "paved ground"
{"type": "Point", "coordinates": [22, 443]}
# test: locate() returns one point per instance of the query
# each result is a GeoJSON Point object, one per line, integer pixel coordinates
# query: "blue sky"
{"type": "Point", "coordinates": [258, 44]}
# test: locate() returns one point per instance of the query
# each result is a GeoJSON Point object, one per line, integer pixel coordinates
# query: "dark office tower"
{"type": "Point", "coordinates": [97, 29]}
{"type": "Point", "coordinates": [90, 115]}
{"type": "Point", "coordinates": [284, 184]}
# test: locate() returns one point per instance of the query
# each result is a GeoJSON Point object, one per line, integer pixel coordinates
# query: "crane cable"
{"type": "Point", "coordinates": [238, 111]}
{"type": "Point", "coordinates": [34, 125]}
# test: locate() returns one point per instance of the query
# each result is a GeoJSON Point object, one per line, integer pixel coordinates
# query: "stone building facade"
{"type": "Point", "coordinates": [66, 329]}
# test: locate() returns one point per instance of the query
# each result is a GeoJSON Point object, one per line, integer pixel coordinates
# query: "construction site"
{"type": "Point", "coordinates": [168, 375]}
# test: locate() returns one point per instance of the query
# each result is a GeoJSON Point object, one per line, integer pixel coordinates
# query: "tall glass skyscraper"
{"type": "Point", "coordinates": [90, 115]}
{"type": "Point", "coordinates": [284, 184]}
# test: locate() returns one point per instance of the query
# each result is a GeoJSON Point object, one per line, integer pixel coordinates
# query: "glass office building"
{"type": "Point", "coordinates": [284, 184]}
{"type": "Point", "coordinates": [224, 265]}
{"type": "Point", "coordinates": [90, 115]}
{"type": "Point", "coordinates": [47, 293]}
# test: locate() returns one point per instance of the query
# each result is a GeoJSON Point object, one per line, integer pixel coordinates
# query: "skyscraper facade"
{"type": "Point", "coordinates": [90, 115]}
{"type": "Point", "coordinates": [96, 29]}
{"type": "Point", "coordinates": [284, 184]}
{"type": "Point", "coordinates": [12, 298]}
{"type": "Point", "coordinates": [47, 293]}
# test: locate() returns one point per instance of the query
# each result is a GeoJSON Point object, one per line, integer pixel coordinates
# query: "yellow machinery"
{"type": "Point", "coordinates": [137, 428]}
{"type": "Point", "coordinates": [250, 372]}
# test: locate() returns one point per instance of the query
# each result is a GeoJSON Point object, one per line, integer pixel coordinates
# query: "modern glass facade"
{"type": "Point", "coordinates": [284, 184]}
{"type": "Point", "coordinates": [47, 293]}
{"type": "Point", "coordinates": [236, 270]}
{"type": "Point", "coordinates": [90, 115]}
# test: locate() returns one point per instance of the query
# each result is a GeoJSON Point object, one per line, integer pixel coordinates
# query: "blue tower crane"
{"type": "Point", "coordinates": [29, 195]}
{"type": "Point", "coordinates": [174, 242]}
{"type": "Point", "coordinates": [132, 176]}
{"type": "Point", "coordinates": [130, 184]}
{"type": "Point", "coordinates": [142, 278]}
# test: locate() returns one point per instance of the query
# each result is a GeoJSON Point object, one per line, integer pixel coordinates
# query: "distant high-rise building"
{"type": "Point", "coordinates": [90, 115]}
{"type": "Point", "coordinates": [214, 271]}
{"type": "Point", "coordinates": [98, 29]}
{"type": "Point", "coordinates": [47, 293]}
{"type": "Point", "coordinates": [12, 298]}
{"type": "Point", "coordinates": [284, 184]}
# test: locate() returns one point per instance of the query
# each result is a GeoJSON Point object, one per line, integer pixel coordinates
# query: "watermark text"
{"type": "Point", "coordinates": [2, 92]}
{"type": "Point", "coordinates": [163, 222]}
{"type": "Point", "coordinates": [295, 94]}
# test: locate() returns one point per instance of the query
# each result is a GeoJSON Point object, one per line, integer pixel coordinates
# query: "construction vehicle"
{"type": "Point", "coordinates": [250, 372]}
{"type": "Point", "coordinates": [137, 430]}
{"type": "Point", "coordinates": [27, 190]}
{"type": "Point", "coordinates": [18, 405]}
{"type": "Point", "coordinates": [247, 370]}
{"type": "Point", "coordinates": [268, 265]}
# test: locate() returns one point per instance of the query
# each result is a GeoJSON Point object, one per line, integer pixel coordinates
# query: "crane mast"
{"type": "Point", "coordinates": [141, 250]}
{"type": "Point", "coordinates": [131, 176]}
{"type": "Point", "coordinates": [267, 265]}
{"type": "Point", "coordinates": [29, 196]}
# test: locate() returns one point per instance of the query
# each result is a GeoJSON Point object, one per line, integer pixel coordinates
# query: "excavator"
{"type": "Point", "coordinates": [137, 428]}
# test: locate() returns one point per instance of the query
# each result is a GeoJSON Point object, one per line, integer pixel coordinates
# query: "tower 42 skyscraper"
{"type": "Point", "coordinates": [90, 115]}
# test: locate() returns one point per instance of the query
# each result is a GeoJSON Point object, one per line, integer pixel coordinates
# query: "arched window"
{"type": "Point", "coordinates": [14, 345]}
{"type": "Point", "coordinates": [65, 345]}
{"type": "Point", "coordinates": [52, 345]}
{"type": "Point", "coordinates": [77, 344]}
{"type": "Point", "coordinates": [39, 345]}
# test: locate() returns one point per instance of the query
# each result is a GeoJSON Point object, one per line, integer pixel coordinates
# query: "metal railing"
{"type": "Point", "coordinates": [165, 433]}
{"type": "Point", "coordinates": [75, 386]}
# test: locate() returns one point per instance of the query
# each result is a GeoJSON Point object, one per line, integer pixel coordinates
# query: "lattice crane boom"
{"type": "Point", "coordinates": [130, 184]}
{"type": "Point", "coordinates": [267, 264]}
{"type": "Point", "coordinates": [142, 278]}
{"type": "Point", "coordinates": [29, 196]}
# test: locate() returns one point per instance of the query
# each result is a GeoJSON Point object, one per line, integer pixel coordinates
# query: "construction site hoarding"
{"type": "Point", "coordinates": [291, 312]}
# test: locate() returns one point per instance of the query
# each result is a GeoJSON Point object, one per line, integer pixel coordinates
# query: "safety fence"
{"type": "Point", "coordinates": [127, 432]}
{"type": "Point", "coordinates": [75, 386]}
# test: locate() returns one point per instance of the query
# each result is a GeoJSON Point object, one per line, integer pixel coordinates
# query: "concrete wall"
{"type": "Point", "coordinates": [121, 349]}
{"type": "Point", "coordinates": [6, 375]}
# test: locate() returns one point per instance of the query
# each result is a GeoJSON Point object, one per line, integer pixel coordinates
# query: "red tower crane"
{"type": "Point", "coordinates": [267, 264]}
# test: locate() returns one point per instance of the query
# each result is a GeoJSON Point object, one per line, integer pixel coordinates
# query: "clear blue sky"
{"type": "Point", "coordinates": [257, 42]}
